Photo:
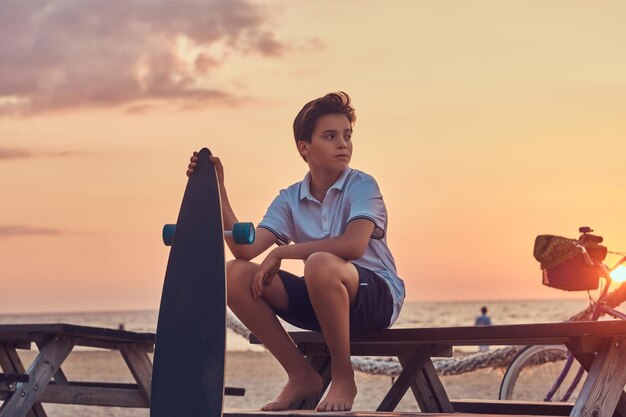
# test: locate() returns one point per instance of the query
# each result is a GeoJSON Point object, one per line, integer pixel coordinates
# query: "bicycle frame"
{"type": "Point", "coordinates": [599, 309]}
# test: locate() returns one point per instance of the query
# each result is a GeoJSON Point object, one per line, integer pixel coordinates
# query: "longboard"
{"type": "Point", "coordinates": [188, 372]}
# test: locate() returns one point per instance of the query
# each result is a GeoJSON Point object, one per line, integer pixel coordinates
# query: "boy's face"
{"type": "Point", "coordinates": [331, 143]}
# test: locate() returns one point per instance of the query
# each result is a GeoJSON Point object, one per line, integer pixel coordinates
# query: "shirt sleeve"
{"type": "Point", "coordinates": [366, 202]}
{"type": "Point", "coordinates": [278, 219]}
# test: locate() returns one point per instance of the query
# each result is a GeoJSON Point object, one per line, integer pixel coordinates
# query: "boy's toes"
{"type": "Point", "coordinates": [273, 406]}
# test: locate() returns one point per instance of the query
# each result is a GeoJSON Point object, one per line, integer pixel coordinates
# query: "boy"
{"type": "Point", "coordinates": [336, 219]}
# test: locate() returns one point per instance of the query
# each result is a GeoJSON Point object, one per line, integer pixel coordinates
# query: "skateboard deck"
{"type": "Point", "coordinates": [188, 373]}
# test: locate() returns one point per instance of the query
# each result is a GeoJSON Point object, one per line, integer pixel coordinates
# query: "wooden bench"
{"type": "Point", "coordinates": [600, 347]}
{"type": "Point", "coordinates": [23, 390]}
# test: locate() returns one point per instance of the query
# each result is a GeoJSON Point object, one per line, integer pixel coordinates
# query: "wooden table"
{"type": "Point", "coordinates": [23, 390]}
{"type": "Point", "coordinates": [600, 347]}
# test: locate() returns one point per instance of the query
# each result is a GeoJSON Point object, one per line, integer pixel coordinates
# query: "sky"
{"type": "Point", "coordinates": [485, 123]}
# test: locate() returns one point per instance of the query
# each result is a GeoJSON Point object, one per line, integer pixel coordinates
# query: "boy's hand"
{"type": "Point", "coordinates": [216, 161]}
{"type": "Point", "coordinates": [192, 164]}
{"type": "Point", "coordinates": [265, 274]}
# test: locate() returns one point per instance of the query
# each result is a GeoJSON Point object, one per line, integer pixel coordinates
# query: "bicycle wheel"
{"type": "Point", "coordinates": [534, 371]}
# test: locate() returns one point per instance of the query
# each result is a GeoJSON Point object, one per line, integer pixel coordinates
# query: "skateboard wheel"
{"type": "Point", "coordinates": [168, 234]}
{"type": "Point", "coordinates": [243, 233]}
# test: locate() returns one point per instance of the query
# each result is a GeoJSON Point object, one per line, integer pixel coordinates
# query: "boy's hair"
{"type": "Point", "coordinates": [333, 103]}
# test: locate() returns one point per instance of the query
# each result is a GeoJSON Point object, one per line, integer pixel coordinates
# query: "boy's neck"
{"type": "Point", "coordinates": [321, 182]}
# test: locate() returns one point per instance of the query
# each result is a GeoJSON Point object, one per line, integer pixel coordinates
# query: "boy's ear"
{"type": "Point", "coordinates": [303, 148]}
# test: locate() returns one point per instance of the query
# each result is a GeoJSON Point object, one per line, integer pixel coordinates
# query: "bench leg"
{"type": "Point", "coordinates": [40, 372]}
{"type": "Point", "coordinates": [59, 376]}
{"type": "Point", "coordinates": [603, 389]}
{"type": "Point", "coordinates": [586, 360]}
{"type": "Point", "coordinates": [418, 372]}
{"type": "Point", "coordinates": [429, 392]}
{"type": "Point", "coordinates": [140, 367]}
{"type": "Point", "coordinates": [11, 362]}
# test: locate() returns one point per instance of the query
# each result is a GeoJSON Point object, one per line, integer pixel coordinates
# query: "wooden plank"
{"type": "Point", "coordinates": [605, 382]}
{"type": "Point", "coordinates": [140, 367]}
{"type": "Point", "coordinates": [110, 394]}
{"type": "Point", "coordinates": [430, 377]}
{"type": "Point", "coordinates": [320, 349]}
{"type": "Point", "coordinates": [428, 390]}
{"type": "Point", "coordinates": [235, 392]}
{"type": "Point", "coordinates": [586, 360]}
{"type": "Point", "coordinates": [423, 396]}
{"type": "Point", "coordinates": [8, 331]}
{"type": "Point", "coordinates": [59, 376]}
{"type": "Point", "coordinates": [11, 377]}
{"type": "Point", "coordinates": [11, 362]}
{"type": "Point", "coordinates": [412, 366]}
{"type": "Point", "coordinates": [306, 413]}
{"type": "Point", "coordinates": [114, 395]}
{"type": "Point", "coordinates": [16, 344]}
{"type": "Point", "coordinates": [109, 344]}
{"type": "Point", "coordinates": [540, 408]}
{"type": "Point", "coordinates": [6, 388]}
{"type": "Point", "coordinates": [514, 334]}
{"type": "Point", "coordinates": [42, 369]}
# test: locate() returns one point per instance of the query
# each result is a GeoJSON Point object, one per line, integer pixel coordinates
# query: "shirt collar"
{"type": "Point", "coordinates": [305, 188]}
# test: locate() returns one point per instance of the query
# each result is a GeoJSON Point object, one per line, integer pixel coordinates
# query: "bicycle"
{"type": "Point", "coordinates": [550, 373]}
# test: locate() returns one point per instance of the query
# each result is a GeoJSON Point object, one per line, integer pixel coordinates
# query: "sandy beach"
{"type": "Point", "coordinates": [260, 375]}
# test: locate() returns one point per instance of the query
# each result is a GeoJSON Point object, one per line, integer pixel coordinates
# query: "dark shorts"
{"type": "Point", "coordinates": [372, 310]}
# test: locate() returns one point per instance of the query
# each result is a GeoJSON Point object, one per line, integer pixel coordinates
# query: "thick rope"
{"type": "Point", "coordinates": [447, 366]}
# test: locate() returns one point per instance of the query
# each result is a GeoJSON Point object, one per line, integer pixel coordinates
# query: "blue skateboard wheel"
{"type": "Point", "coordinates": [243, 233]}
{"type": "Point", "coordinates": [168, 234]}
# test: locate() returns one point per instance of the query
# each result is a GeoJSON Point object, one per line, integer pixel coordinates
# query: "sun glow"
{"type": "Point", "coordinates": [619, 274]}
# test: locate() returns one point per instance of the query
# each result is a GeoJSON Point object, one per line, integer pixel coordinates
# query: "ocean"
{"type": "Point", "coordinates": [414, 314]}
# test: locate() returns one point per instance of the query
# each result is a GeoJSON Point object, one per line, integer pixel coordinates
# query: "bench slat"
{"type": "Point", "coordinates": [11, 377]}
{"type": "Point", "coordinates": [512, 407]}
{"type": "Point", "coordinates": [514, 334]}
{"type": "Point", "coordinates": [32, 331]}
{"type": "Point", "coordinates": [306, 413]}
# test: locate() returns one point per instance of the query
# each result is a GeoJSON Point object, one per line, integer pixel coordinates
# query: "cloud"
{"type": "Point", "coordinates": [66, 54]}
{"type": "Point", "coordinates": [8, 153]}
{"type": "Point", "coordinates": [15, 153]}
{"type": "Point", "coordinates": [17, 230]}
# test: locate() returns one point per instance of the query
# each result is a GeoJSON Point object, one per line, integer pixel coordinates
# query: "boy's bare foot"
{"type": "Point", "coordinates": [297, 389]}
{"type": "Point", "coordinates": [340, 396]}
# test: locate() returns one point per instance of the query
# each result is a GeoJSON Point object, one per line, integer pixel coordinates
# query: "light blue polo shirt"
{"type": "Point", "coordinates": [296, 216]}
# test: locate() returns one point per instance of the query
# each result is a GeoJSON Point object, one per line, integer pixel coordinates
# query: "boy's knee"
{"type": "Point", "coordinates": [235, 267]}
{"type": "Point", "coordinates": [322, 268]}
{"type": "Point", "coordinates": [319, 261]}
{"type": "Point", "coordinates": [238, 277]}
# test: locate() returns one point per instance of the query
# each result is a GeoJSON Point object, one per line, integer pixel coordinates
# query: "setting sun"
{"type": "Point", "coordinates": [619, 274]}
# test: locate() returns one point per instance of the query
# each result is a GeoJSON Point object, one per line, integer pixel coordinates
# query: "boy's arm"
{"type": "Point", "coordinates": [351, 245]}
{"type": "Point", "coordinates": [263, 238]}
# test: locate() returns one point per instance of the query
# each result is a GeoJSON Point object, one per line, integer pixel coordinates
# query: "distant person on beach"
{"type": "Point", "coordinates": [483, 320]}
{"type": "Point", "coordinates": [335, 220]}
